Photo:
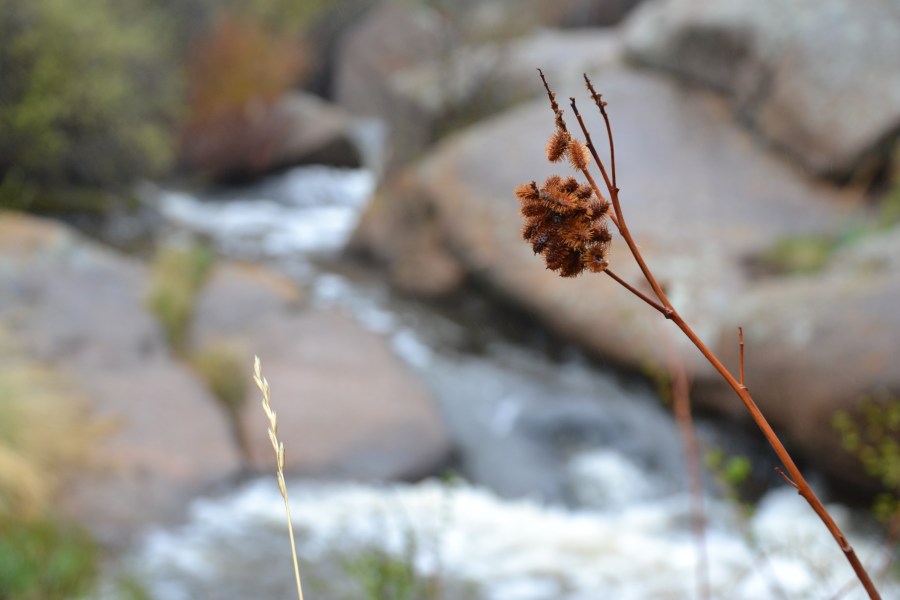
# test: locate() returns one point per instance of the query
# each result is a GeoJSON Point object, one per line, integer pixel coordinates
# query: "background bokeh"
{"type": "Point", "coordinates": [328, 184]}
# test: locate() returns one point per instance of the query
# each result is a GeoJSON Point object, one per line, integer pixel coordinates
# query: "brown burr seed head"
{"type": "Point", "coordinates": [566, 223]}
{"type": "Point", "coordinates": [527, 191]}
{"type": "Point", "coordinates": [578, 155]}
{"type": "Point", "coordinates": [557, 145]}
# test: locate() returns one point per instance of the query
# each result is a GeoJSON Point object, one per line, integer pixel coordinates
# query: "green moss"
{"type": "Point", "coordinates": [45, 560]}
{"type": "Point", "coordinates": [800, 254]}
{"type": "Point", "coordinates": [178, 276]}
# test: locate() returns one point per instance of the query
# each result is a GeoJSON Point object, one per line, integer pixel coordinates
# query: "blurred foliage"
{"type": "Point", "coordinates": [87, 96]}
{"type": "Point", "coordinates": [178, 276]}
{"type": "Point", "coordinates": [223, 368]}
{"type": "Point", "coordinates": [92, 93]}
{"type": "Point", "coordinates": [380, 574]}
{"type": "Point", "coordinates": [731, 473]}
{"type": "Point", "coordinates": [41, 559]}
{"type": "Point", "coordinates": [284, 16]}
{"type": "Point", "coordinates": [130, 588]}
{"type": "Point", "coordinates": [872, 434]}
{"type": "Point", "coordinates": [239, 61]}
{"type": "Point", "coordinates": [44, 431]}
{"type": "Point", "coordinates": [800, 254]}
{"type": "Point", "coordinates": [889, 212]}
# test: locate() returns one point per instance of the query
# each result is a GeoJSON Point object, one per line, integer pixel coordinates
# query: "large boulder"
{"type": "Point", "coordinates": [391, 38]}
{"type": "Point", "coordinates": [817, 78]}
{"type": "Point", "coordinates": [81, 309]}
{"type": "Point", "coordinates": [346, 405]}
{"type": "Point", "coordinates": [703, 200]}
{"type": "Point", "coordinates": [418, 71]}
{"type": "Point", "coordinates": [295, 129]}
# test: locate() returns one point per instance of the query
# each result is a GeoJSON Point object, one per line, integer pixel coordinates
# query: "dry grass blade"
{"type": "Point", "coordinates": [278, 447]}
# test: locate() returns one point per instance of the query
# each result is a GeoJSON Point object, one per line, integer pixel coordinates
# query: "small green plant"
{"type": "Point", "coordinates": [872, 434]}
{"type": "Point", "coordinates": [42, 559]}
{"type": "Point", "coordinates": [380, 574]}
{"type": "Point", "coordinates": [731, 472]}
{"type": "Point", "coordinates": [222, 368]}
{"type": "Point", "coordinates": [178, 276]}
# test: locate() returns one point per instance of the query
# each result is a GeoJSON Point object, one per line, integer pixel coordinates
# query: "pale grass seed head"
{"type": "Point", "coordinates": [272, 416]}
{"type": "Point", "coordinates": [263, 386]}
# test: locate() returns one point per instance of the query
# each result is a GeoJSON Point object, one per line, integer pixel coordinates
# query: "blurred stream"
{"type": "Point", "coordinates": [570, 484]}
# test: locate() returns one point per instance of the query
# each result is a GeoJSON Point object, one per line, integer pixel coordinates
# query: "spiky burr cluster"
{"type": "Point", "coordinates": [566, 223]}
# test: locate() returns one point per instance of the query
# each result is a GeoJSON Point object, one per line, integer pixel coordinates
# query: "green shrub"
{"type": "Point", "coordinates": [87, 95]}
{"type": "Point", "coordinates": [178, 276]}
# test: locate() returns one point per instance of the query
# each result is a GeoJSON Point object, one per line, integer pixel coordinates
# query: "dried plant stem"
{"type": "Point", "coordinates": [681, 405]}
{"type": "Point", "coordinates": [794, 476]}
{"type": "Point", "coordinates": [278, 446]}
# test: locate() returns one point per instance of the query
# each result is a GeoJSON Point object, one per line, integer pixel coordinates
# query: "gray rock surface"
{"type": "Point", "coordinates": [81, 309]}
{"type": "Point", "coordinates": [346, 405]}
{"type": "Point", "coordinates": [391, 38]}
{"type": "Point", "coordinates": [817, 78]}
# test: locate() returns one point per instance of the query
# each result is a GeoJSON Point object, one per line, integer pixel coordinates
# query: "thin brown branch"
{"type": "Point", "coordinates": [741, 337]}
{"type": "Point", "coordinates": [786, 478]}
{"type": "Point", "coordinates": [665, 311]}
{"type": "Point", "coordinates": [803, 488]}
{"type": "Point", "coordinates": [601, 105]}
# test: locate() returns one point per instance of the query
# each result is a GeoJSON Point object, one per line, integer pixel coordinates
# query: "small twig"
{"type": "Point", "coordinates": [665, 311]}
{"type": "Point", "coordinates": [741, 337]}
{"type": "Point", "coordinates": [786, 478]}
{"type": "Point", "coordinates": [601, 105]}
{"type": "Point", "coordinates": [278, 446]}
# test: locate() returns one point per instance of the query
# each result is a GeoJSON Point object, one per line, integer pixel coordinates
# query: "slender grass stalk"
{"type": "Point", "coordinates": [278, 446]}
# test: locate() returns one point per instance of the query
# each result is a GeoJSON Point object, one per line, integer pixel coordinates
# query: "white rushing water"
{"type": "Point", "coordinates": [305, 210]}
{"type": "Point", "coordinates": [529, 428]}
{"type": "Point", "coordinates": [635, 547]}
